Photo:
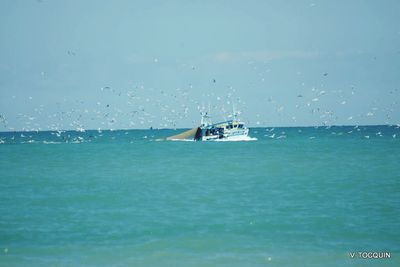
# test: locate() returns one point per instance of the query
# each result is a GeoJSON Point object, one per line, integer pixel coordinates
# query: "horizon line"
{"type": "Point", "coordinates": [185, 128]}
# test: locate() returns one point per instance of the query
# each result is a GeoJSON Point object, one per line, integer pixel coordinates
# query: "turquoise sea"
{"type": "Point", "coordinates": [296, 197]}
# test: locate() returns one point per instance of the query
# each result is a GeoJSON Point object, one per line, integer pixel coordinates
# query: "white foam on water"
{"type": "Point", "coordinates": [76, 142]}
{"type": "Point", "coordinates": [236, 139]}
{"type": "Point", "coordinates": [51, 142]}
{"type": "Point", "coordinates": [229, 139]}
{"type": "Point", "coordinates": [29, 142]}
{"type": "Point", "coordinates": [182, 140]}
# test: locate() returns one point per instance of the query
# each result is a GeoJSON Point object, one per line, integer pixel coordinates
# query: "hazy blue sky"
{"type": "Point", "coordinates": [284, 63]}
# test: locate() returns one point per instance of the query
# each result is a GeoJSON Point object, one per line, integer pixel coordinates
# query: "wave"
{"type": "Point", "coordinates": [236, 139]}
{"type": "Point", "coordinates": [51, 142]}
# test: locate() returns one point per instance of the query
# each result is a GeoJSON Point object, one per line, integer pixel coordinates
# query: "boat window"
{"type": "Point", "coordinates": [240, 126]}
{"type": "Point", "coordinates": [235, 126]}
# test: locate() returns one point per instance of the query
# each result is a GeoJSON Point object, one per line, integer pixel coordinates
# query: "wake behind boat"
{"type": "Point", "coordinates": [230, 130]}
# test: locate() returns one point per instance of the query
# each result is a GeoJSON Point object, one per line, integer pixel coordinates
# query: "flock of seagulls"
{"type": "Point", "coordinates": [324, 104]}
{"type": "Point", "coordinates": [146, 107]}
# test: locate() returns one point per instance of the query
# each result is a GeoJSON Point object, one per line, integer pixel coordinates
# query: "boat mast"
{"type": "Point", "coordinates": [205, 119]}
{"type": "Point", "coordinates": [235, 114]}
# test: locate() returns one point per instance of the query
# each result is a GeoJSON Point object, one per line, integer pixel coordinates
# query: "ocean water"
{"type": "Point", "coordinates": [295, 197]}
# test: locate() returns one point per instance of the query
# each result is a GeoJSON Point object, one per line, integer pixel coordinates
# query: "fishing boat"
{"type": "Point", "coordinates": [230, 130]}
